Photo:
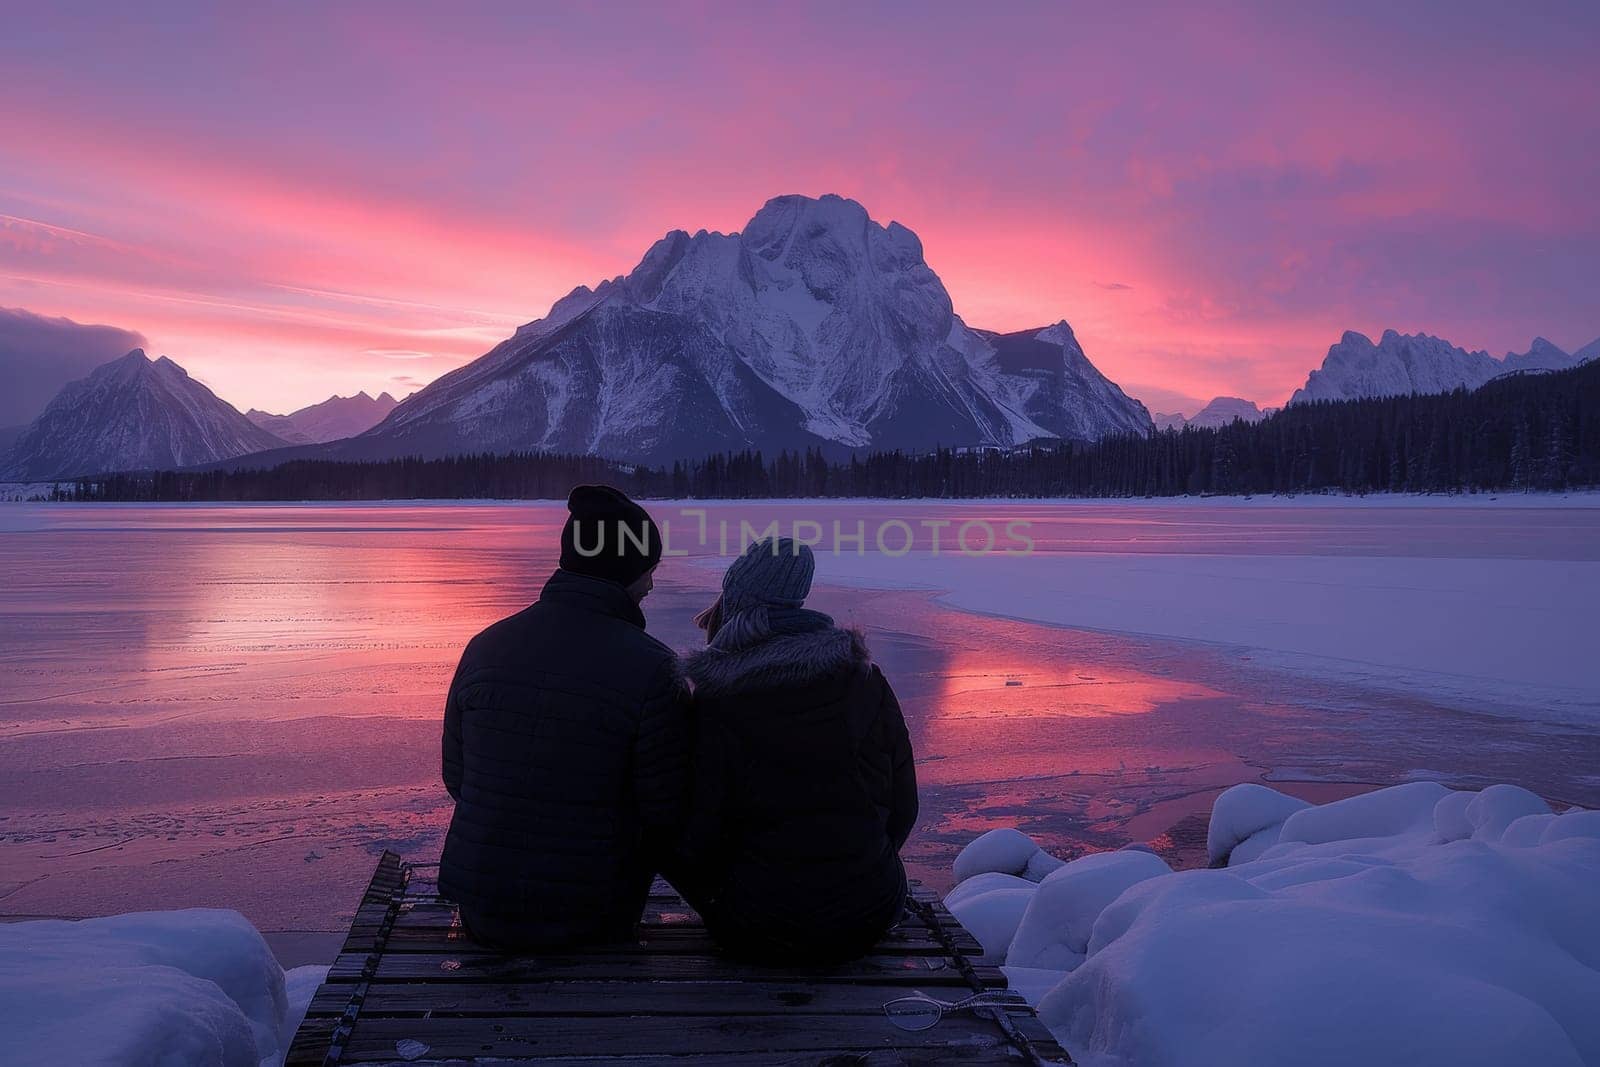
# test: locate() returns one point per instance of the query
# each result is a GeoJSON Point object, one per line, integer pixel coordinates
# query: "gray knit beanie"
{"type": "Point", "coordinates": [775, 571]}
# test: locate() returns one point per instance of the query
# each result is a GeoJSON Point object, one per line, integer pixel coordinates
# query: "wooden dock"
{"type": "Point", "coordinates": [409, 987]}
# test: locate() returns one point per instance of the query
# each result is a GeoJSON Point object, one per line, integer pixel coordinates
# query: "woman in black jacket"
{"type": "Point", "coordinates": [803, 785]}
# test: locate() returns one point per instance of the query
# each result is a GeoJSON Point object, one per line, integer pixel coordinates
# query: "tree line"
{"type": "Point", "coordinates": [1535, 431]}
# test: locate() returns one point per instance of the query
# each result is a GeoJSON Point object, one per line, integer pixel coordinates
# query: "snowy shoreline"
{"type": "Point", "coordinates": [1413, 924]}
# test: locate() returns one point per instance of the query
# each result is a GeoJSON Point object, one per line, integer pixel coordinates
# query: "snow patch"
{"type": "Point", "coordinates": [1407, 925]}
{"type": "Point", "coordinates": [178, 987]}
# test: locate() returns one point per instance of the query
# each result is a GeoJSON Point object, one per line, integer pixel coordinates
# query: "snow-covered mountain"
{"type": "Point", "coordinates": [130, 414]}
{"type": "Point", "coordinates": [1224, 409]}
{"type": "Point", "coordinates": [814, 325]}
{"type": "Point", "coordinates": [335, 418]}
{"type": "Point", "coordinates": [1221, 411]}
{"type": "Point", "coordinates": [1542, 355]}
{"type": "Point", "coordinates": [1417, 363]}
{"type": "Point", "coordinates": [1397, 365]}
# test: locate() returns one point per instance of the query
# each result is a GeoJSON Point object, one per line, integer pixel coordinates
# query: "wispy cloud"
{"type": "Point", "coordinates": [400, 353]}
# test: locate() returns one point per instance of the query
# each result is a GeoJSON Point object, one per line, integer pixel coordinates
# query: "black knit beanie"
{"type": "Point", "coordinates": [608, 536]}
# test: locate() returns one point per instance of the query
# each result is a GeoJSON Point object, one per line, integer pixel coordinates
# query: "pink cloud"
{"type": "Point", "coordinates": [282, 203]}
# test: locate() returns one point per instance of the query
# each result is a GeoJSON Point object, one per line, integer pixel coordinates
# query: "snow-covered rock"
{"type": "Point", "coordinates": [1006, 850]}
{"type": "Point", "coordinates": [1490, 812]}
{"type": "Point", "coordinates": [1450, 820]}
{"type": "Point", "coordinates": [133, 413]}
{"type": "Point", "coordinates": [1244, 812]}
{"type": "Point", "coordinates": [996, 874]}
{"type": "Point", "coordinates": [992, 917]}
{"type": "Point", "coordinates": [815, 325]}
{"type": "Point", "coordinates": [1407, 925]}
{"type": "Point", "coordinates": [984, 883]}
{"type": "Point", "coordinates": [180, 987]}
{"type": "Point", "coordinates": [1054, 931]}
{"type": "Point", "coordinates": [1400, 809]}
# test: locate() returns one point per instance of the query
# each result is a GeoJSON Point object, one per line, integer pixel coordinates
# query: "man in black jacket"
{"type": "Point", "coordinates": [566, 746]}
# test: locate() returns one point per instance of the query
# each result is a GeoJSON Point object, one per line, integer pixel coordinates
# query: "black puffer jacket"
{"type": "Point", "coordinates": [566, 750]}
{"type": "Point", "coordinates": [804, 792]}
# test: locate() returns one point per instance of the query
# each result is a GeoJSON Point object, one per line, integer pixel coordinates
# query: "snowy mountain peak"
{"type": "Point", "coordinates": [1397, 365]}
{"type": "Point", "coordinates": [1541, 355]}
{"type": "Point", "coordinates": [1401, 364]}
{"type": "Point", "coordinates": [132, 413]}
{"type": "Point", "coordinates": [334, 419]}
{"type": "Point", "coordinates": [1221, 411]}
{"type": "Point", "coordinates": [812, 325]}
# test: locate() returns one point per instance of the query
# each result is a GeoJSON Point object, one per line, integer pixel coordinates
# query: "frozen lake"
{"type": "Point", "coordinates": [239, 705]}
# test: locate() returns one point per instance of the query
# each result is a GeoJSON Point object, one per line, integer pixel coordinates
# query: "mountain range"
{"type": "Point", "coordinates": [133, 413]}
{"type": "Point", "coordinates": [1418, 363]}
{"type": "Point", "coordinates": [335, 418]}
{"type": "Point", "coordinates": [814, 326]}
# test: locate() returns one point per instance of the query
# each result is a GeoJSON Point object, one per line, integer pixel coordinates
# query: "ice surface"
{"type": "Point", "coordinates": [1406, 941]}
{"type": "Point", "coordinates": [1504, 636]}
{"type": "Point", "coordinates": [179, 987]}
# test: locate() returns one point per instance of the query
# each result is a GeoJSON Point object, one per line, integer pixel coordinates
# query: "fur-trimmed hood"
{"type": "Point", "coordinates": [783, 660]}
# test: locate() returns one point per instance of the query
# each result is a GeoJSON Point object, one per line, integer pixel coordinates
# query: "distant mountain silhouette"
{"type": "Point", "coordinates": [335, 418]}
{"type": "Point", "coordinates": [133, 413]}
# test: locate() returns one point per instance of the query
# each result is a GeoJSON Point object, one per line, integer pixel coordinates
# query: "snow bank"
{"type": "Point", "coordinates": [178, 987]}
{"type": "Point", "coordinates": [1407, 925]}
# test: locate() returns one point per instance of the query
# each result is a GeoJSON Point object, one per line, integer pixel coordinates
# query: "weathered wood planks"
{"type": "Point", "coordinates": [409, 987]}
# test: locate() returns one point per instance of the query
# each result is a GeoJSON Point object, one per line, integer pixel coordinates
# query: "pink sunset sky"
{"type": "Point", "coordinates": [296, 200]}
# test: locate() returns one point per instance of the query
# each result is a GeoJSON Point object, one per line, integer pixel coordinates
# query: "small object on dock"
{"type": "Point", "coordinates": [1013, 681]}
{"type": "Point", "coordinates": [410, 984]}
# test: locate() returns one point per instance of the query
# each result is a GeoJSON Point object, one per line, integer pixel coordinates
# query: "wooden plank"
{"type": "Point", "coordinates": [652, 942]}
{"type": "Point", "coordinates": [669, 995]}
{"type": "Point", "coordinates": [375, 1039]}
{"type": "Point", "coordinates": [613, 998]}
{"type": "Point", "coordinates": [928, 1056]}
{"type": "Point", "coordinates": [631, 966]}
